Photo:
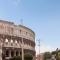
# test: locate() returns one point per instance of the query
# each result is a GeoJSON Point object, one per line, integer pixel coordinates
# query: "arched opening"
{"type": "Point", "coordinates": [12, 53]}
{"type": "Point", "coordinates": [7, 53]}
{"type": "Point", "coordinates": [20, 53]}
{"type": "Point", "coordinates": [17, 53]}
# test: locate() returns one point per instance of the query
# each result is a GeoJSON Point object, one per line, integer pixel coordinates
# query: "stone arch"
{"type": "Point", "coordinates": [7, 53]}
{"type": "Point", "coordinates": [12, 53]}
{"type": "Point", "coordinates": [17, 53]}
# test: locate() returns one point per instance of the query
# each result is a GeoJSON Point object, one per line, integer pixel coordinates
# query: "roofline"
{"type": "Point", "coordinates": [8, 22]}
{"type": "Point", "coordinates": [27, 28]}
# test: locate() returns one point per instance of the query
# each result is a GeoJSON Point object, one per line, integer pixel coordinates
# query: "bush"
{"type": "Point", "coordinates": [16, 58]}
{"type": "Point", "coordinates": [28, 57]}
{"type": "Point", "coordinates": [47, 55]}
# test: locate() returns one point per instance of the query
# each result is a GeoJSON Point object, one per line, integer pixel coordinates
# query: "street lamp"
{"type": "Point", "coordinates": [22, 47]}
{"type": "Point", "coordinates": [39, 48]}
{"type": "Point", "coordinates": [22, 50]}
{"type": "Point", "coordinates": [57, 54]}
{"type": "Point", "coordinates": [38, 43]}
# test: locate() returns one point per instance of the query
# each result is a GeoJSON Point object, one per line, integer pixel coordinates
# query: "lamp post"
{"type": "Point", "coordinates": [57, 54]}
{"type": "Point", "coordinates": [22, 50]}
{"type": "Point", "coordinates": [39, 48]}
{"type": "Point", "coordinates": [38, 41]}
{"type": "Point", "coordinates": [22, 47]}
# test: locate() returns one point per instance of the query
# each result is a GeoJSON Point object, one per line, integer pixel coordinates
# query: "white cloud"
{"type": "Point", "coordinates": [44, 48]}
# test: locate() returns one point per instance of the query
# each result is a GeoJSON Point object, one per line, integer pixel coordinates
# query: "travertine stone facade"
{"type": "Point", "coordinates": [11, 37]}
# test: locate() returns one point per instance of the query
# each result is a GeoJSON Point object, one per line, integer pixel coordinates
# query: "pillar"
{"type": "Point", "coordinates": [10, 53]}
{"type": "Point", "coordinates": [0, 53]}
{"type": "Point", "coordinates": [19, 53]}
{"type": "Point", "coordinates": [15, 53]}
{"type": "Point", "coordinates": [1, 50]}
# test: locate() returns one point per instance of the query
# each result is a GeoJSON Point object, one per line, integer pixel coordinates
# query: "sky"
{"type": "Point", "coordinates": [42, 16]}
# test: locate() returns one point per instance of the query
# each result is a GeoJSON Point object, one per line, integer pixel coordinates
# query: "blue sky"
{"type": "Point", "coordinates": [42, 16]}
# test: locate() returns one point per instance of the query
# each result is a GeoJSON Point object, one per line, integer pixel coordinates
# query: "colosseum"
{"type": "Point", "coordinates": [15, 40]}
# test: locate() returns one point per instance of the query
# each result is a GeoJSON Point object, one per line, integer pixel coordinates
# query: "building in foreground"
{"type": "Point", "coordinates": [11, 37]}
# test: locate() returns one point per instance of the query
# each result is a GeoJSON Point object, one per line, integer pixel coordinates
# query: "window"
{"type": "Point", "coordinates": [7, 53]}
{"type": "Point", "coordinates": [20, 31]}
{"type": "Point", "coordinates": [26, 33]}
{"type": "Point", "coordinates": [6, 40]}
{"type": "Point", "coordinates": [12, 53]}
{"type": "Point", "coordinates": [11, 44]}
{"type": "Point", "coordinates": [11, 30]}
{"type": "Point", "coordinates": [15, 41]}
{"type": "Point", "coordinates": [17, 53]}
{"type": "Point", "coordinates": [11, 41]}
{"type": "Point", "coordinates": [1, 26]}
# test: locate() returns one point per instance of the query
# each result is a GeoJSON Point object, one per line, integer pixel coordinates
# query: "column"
{"type": "Point", "coordinates": [19, 53]}
{"type": "Point", "coordinates": [1, 43]}
{"type": "Point", "coordinates": [15, 53]}
{"type": "Point", "coordinates": [0, 53]}
{"type": "Point", "coordinates": [10, 53]}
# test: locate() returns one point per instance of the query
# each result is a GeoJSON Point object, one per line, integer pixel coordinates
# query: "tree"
{"type": "Point", "coordinates": [57, 54]}
{"type": "Point", "coordinates": [47, 55]}
{"type": "Point", "coordinates": [28, 57]}
{"type": "Point", "coordinates": [16, 58]}
{"type": "Point", "coordinates": [53, 52]}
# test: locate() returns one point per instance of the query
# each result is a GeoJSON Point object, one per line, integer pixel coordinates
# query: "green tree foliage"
{"type": "Point", "coordinates": [47, 55]}
{"type": "Point", "coordinates": [53, 52]}
{"type": "Point", "coordinates": [57, 54]}
{"type": "Point", "coordinates": [28, 57]}
{"type": "Point", "coordinates": [16, 58]}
